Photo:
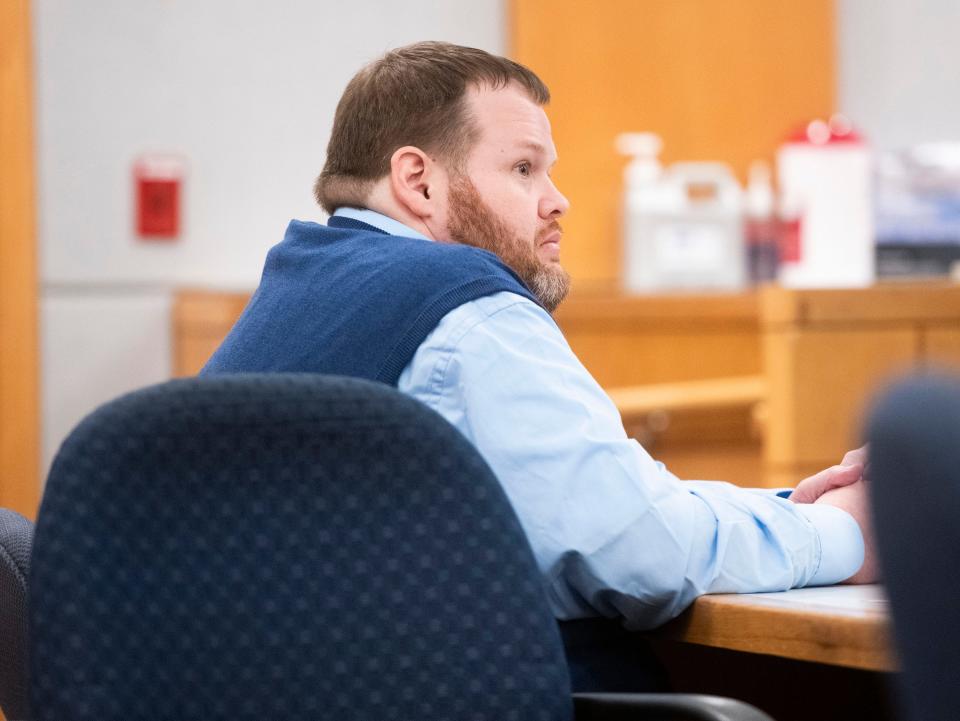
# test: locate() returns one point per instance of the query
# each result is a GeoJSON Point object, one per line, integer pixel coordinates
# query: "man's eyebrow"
{"type": "Point", "coordinates": [533, 145]}
{"type": "Point", "coordinates": [537, 148]}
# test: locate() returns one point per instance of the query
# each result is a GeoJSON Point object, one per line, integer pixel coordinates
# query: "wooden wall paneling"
{"type": "Point", "coordinates": [717, 79]}
{"type": "Point", "coordinates": [19, 383]}
{"type": "Point", "coordinates": [620, 357]}
{"type": "Point", "coordinates": [828, 352]}
{"type": "Point", "coordinates": [632, 340]}
{"type": "Point", "coordinates": [701, 429]}
{"type": "Point", "coordinates": [818, 381]}
{"type": "Point", "coordinates": [926, 303]}
{"type": "Point", "coordinates": [737, 462]}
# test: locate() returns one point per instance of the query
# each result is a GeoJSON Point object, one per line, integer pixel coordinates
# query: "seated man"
{"type": "Point", "coordinates": [437, 274]}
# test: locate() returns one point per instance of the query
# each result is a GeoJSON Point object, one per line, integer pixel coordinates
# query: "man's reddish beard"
{"type": "Point", "coordinates": [472, 222]}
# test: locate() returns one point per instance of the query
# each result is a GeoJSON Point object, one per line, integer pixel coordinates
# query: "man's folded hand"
{"type": "Point", "coordinates": [850, 470]}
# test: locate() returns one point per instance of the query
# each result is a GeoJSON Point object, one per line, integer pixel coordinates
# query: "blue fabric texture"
{"type": "Point", "coordinates": [284, 546]}
{"type": "Point", "coordinates": [349, 299]}
{"type": "Point", "coordinates": [16, 539]}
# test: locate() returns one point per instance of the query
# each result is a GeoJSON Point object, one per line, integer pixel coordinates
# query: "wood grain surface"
{"type": "Point", "coordinates": [839, 625]}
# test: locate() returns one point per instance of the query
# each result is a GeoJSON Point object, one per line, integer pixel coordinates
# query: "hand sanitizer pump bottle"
{"type": "Point", "coordinates": [644, 199]}
{"type": "Point", "coordinates": [682, 227]}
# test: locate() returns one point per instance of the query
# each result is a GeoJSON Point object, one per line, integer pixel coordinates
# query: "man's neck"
{"type": "Point", "coordinates": [381, 200]}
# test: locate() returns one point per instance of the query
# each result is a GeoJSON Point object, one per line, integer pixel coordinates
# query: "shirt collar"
{"type": "Point", "coordinates": [381, 221]}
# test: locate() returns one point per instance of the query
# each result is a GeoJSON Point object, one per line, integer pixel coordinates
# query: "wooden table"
{"type": "Point", "coordinates": [838, 625]}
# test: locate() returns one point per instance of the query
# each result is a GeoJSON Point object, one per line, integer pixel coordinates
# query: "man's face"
{"type": "Point", "coordinates": [504, 200]}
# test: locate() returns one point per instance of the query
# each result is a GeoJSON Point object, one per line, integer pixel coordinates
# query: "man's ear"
{"type": "Point", "coordinates": [415, 180]}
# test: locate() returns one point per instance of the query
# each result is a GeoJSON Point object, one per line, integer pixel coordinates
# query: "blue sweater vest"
{"type": "Point", "coordinates": [349, 299]}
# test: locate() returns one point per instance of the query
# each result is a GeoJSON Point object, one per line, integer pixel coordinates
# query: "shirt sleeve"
{"type": "Point", "coordinates": [615, 533]}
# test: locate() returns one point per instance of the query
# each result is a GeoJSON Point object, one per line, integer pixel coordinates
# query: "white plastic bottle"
{"type": "Point", "coordinates": [682, 227]}
{"type": "Point", "coordinates": [825, 182]}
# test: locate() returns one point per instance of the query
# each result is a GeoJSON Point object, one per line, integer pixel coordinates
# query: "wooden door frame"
{"type": "Point", "coordinates": [19, 347]}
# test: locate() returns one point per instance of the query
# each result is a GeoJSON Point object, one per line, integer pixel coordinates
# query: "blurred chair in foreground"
{"type": "Point", "coordinates": [16, 538]}
{"type": "Point", "coordinates": [293, 547]}
{"type": "Point", "coordinates": [914, 436]}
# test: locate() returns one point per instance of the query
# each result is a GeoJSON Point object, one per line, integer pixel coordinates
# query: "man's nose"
{"type": "Point", "coordinates": [554, 204]}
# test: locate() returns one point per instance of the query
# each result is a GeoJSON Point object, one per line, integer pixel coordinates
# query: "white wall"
{"type": "Point", "coordinates": [899, 69]}
{"type": "Point", "coordinates": [245, 90]}
{"type": "Point", "coordinates": [98, 343]}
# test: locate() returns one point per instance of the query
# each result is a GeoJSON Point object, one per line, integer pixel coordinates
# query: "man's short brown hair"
{"type": "Point", "coordinates": [411, 96]}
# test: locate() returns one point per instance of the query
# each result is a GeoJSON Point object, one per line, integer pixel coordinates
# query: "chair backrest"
{"type": "Point", "coordinates": [914, 434]}
{"type": "Point", "coordinates": [296, 547]}
{"type": "Point", "coordinates": [16, 537]}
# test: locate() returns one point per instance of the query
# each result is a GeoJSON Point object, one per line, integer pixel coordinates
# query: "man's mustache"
{"type": "Point", "coordinates": [554, 226]}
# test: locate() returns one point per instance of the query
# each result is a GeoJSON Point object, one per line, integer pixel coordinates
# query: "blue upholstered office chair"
{"type": "Point", "coordinates": [914, 434]}
{"type": "Point", "coordinates": [16, 537]}
{"type": "Point", "coordinates": [291, 547]}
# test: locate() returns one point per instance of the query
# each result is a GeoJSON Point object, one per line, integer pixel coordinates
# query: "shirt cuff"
{"type": "Point", "coordinates": [841, 543]}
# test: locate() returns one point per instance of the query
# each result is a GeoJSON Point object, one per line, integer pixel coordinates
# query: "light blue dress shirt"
{"type": "Point", "coordinates": [612, 529]}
